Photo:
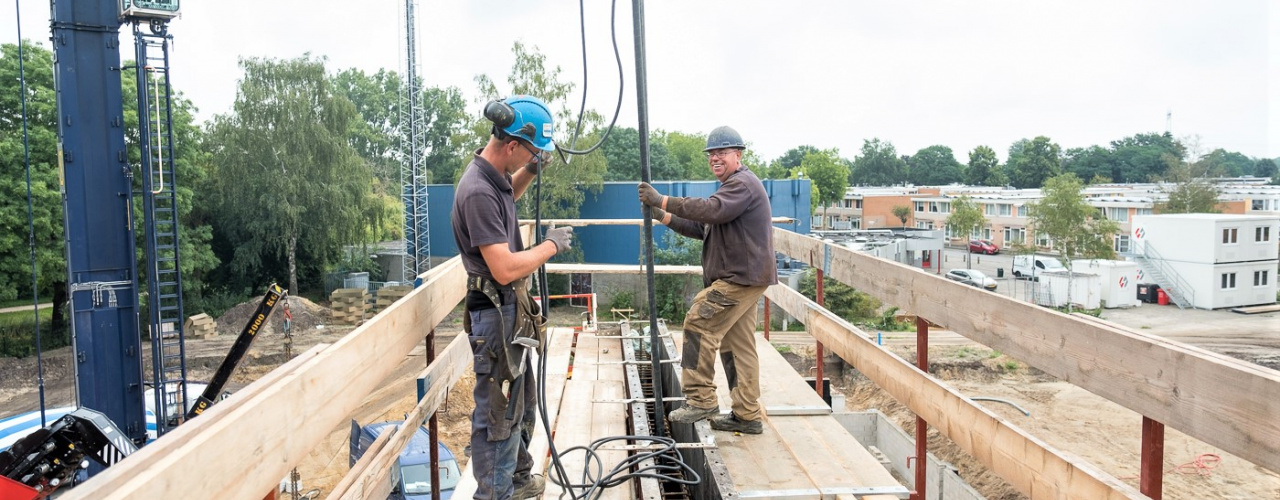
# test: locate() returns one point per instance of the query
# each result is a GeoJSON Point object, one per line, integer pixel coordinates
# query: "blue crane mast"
{"type": "Point", "coordinates": [98, 201]}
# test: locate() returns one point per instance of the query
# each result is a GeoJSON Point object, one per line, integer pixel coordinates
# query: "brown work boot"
{"type": "Point", "coordinates": [530, 489]}
{"type": "Point", "coordinates": [732, 423]}
{"type": "Point", "coordinates": [689, 414]}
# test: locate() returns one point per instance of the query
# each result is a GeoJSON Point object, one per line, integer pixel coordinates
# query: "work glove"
{"type": "Point", "coordinates": [561, 236]}
{"type": "Point", "coordinates": [659, 215]}
{"type": "Point", "coordinates": [649, 195]}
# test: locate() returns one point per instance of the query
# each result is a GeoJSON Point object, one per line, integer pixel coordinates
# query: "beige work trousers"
{"type": "Point", "coordinates": [722, 320]}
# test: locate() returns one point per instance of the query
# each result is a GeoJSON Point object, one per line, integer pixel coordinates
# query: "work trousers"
{"type": "Point", "coordinates": [722, 320]}
{"type": "Point", "coordinates": [499, 446]}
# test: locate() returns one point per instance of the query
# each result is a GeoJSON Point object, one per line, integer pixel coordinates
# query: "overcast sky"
{"type": "Point", "coordinates": [829, 74]}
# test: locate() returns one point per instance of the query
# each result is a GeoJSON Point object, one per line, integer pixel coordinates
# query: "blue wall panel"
{"type": "Point", "coordinates": [617, 200]}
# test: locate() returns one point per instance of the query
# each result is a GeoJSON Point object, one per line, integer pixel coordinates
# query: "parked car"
{"type": "Point", "coordinates": [411, 474]}
{"type": "Point", "coordinates": [972, 277]}
{"type": "Point", "coordinates": [1024, 268]}
{"type": "Point", "coordinates": [983, 246]}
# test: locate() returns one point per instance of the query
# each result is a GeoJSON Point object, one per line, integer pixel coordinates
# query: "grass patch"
{"type": "Point", "coordinates": [24, 317]}
{"type": "Point", "coordinates": [22, 302]}
{"type": "Point", "coordinates": [782, 349]}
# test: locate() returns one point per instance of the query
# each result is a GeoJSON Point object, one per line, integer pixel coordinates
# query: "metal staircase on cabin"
{"type": "Point", "coordinates": [160, 216]}
{"type": "Point", "coordinates": [1161, 272]}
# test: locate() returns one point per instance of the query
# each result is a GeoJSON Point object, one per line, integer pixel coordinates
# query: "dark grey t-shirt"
{"type": "Point", "coordinates": [484, 213]}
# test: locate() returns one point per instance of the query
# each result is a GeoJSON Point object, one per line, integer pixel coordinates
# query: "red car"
{"type": "Point", "coordinates": [983, 246]}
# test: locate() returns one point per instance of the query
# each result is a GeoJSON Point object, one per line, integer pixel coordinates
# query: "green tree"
{"type": "Point", "coordinates": [902, 212]}
{"type": "Point", "coordinates": [1076, 228]}
{"type": "Point", "coordinates": [1227, 163]}
{"type": "Point", "coordinates": [563, 190]}
{"type": "Point", "coordinates": [839, 298]}
{"type": "Point", "coordinates": [983, 167]}
{"type": "Point", "coordinates": [829, 175]}
{"type": "Point", "coordinates": [878, 165]}
{"type": "Point", "coordinates": [935, 166]}
{"type": "Point", "coordinates": [291, 187]}
{"type": "Point", "coordinates": [1089, 163]}
{"type": "Point", "coordinates": [1141, 158]}
{"type": "Point", "coordinates": [966, 217]}
{"type": "Point", "coordinates": [1265, 167]}
{"type": "Point", "coordinates": [1191, 192]}
{"type": "Point", "coordinates": [46, 201]}
{"type": "Point", "coordinates": [1033, 161]}
{"type": "Point", "coordinates": [622, 154]}
{"type": "Point", "coordinates": [668, 289]}
{"type": "Point", "coordinates": [781, 167]}
{"type": "Point", "coordinates": [686, 151]}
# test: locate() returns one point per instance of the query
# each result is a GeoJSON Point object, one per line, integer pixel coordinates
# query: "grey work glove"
{"type": "Point", "coordinates": [649, 195]}
{"type": "Point", "coordinates": [659, 215]}
{"type": "Point", "coordinates": [561, 236]}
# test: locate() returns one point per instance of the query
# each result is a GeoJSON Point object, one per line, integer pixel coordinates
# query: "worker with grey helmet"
{"type": "Point", "coordinates": [736, 229]}
{"type": "Point", "coordinates": [497, 263]}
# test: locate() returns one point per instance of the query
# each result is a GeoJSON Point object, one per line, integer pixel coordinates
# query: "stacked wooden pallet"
{"type": "Point", "coordinates": [388, 295]}
{"type": "Point", "coordinates": [200, 326]}
{"type": "Point", "coordinates": [349, 305]}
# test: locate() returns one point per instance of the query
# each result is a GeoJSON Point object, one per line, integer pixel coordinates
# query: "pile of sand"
{"type": "Point", "coordinates": [306, 316]}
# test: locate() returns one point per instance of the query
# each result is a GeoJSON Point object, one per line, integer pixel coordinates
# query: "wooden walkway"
{"type": "Point", "coordinates": [803, 453]}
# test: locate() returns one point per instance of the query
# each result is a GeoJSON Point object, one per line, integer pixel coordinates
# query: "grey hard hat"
{"type": "Point", "coordinates": [724, 137]}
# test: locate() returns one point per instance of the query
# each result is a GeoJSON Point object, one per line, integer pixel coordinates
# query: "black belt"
{"type": "Point", "coordinates": [485, 293]}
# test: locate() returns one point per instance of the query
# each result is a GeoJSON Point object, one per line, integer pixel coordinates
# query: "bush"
{"type": "Point", "coordinates": [840, 298]}
{"type": "Point", "coordinates": [625, 299]}
{"type": "Point", "coordinates": [17, 334]}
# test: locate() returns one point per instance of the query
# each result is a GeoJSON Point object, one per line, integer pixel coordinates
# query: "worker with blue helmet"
{"type": "Point", "coordinates": [498, 306]}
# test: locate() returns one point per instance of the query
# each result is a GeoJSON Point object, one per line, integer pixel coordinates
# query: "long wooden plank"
{"type": "Point", "coordinates": [620, 269]}
{"type": "Point", "coordinates": [558, 353]}
{"type": "Point", "coordinates": [1028, 464]}
{"type": "Point", "coordinates": [610, 419]}
{"type": "Point", "coordinates": [369, 477]}
{"type": "Point", "coordinates": [244, 452]}
{"type": "Point", "coordinates": [616, 222]}
{"type": "Point", "coordinates": [1222, 401]}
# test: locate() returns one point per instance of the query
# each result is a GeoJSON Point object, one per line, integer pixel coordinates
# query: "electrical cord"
{"type": "Point", "coordinates": [582, 110]}
{"type": "Point", "coordinates": [666, 460]}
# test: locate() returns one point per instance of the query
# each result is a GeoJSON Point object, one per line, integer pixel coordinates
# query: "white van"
{"type": "Point", "coordinates": [1022, 265]}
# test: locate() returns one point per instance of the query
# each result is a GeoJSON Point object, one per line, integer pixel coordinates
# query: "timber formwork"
{"type": "Point", "coordinates": [248, 442]}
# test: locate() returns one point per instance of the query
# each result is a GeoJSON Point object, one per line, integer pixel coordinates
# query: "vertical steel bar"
{"type": "Point", "coordinates": [1152, 477]}
{"type": "Point", "coordinates": [642, 115]}
{"type": "Point", "coordinates": [433, 429]}
{"type": "Point", "coordinates": [922, 427]}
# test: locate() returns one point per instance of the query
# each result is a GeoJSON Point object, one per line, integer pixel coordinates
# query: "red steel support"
{"type": "Point", "coordinates": [922, 427]}
{"type": "Point", "coordinates": [433, 428]}
{"type": "Point", "coordinates": [766, 318]}
{"type": "Point", "coordinates": [817, 385]}
{"type": "Point", "coordinates": [1152, 477]}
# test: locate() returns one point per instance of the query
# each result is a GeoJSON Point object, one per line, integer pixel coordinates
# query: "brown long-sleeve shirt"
{"type": "Point", "coordinates": [736, 229]}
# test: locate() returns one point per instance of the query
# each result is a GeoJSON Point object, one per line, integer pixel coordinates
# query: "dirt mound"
{"type": "Point", "coordinates": [306, 316]}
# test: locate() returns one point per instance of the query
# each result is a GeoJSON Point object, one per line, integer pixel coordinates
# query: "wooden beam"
{"type": "Point", "coordinates": [368, 477]}
{"type": "Point", "coordinates": [1026, 463]}
{"type": "Point", "coordinates": [620, 269]}
{"type": "Point", "coordinates": [243, 453]}
{"type": "Point", "coordinates": [617, 222]}
{"type": "Point", "coordinates": [1225, 402]}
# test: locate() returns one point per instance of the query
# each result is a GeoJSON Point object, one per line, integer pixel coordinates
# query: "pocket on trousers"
{"type": "Point", "coordinates": [692, 348]}
{"type": "Point", "coordinates": [481, 339]}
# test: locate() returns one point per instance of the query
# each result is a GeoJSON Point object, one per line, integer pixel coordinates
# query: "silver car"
{"type": "Point", "coordinates": [972, 277]}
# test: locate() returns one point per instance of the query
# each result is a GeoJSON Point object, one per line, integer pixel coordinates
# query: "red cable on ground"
{"type": "Point", "coordinates": [1203, 465]}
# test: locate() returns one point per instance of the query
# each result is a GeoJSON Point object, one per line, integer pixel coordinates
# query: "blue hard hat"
{"type": "Point", "coordinates": [523, 116]}
{"type": "Point", "coordinates": [724, 137]}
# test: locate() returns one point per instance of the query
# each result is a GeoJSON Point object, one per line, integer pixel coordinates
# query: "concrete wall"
{"type": "Point", "coordinates": [872, 428]}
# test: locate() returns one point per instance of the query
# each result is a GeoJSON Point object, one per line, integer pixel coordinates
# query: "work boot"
{"type": "Point", "coordinates": [689, 414]}
{"type": "Point", "coordinates": [732, 423]}
{"type": "Point", "coordinates": [530, 489]}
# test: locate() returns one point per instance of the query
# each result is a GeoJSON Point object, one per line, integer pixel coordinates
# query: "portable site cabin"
{"type": "Point", "coordinates": [1057, 288]}
{"type": "Point", "coordinates": [1220, 260]}
{"type": "Point", "coordinates": [1118, 279]}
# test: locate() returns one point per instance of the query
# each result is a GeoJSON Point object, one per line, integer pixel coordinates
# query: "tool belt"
{"type": "Point", "coordinates": [527, 329]}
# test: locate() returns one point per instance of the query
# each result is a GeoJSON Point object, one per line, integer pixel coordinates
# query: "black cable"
{"type": "Point", "coordinates": [31, 221]}
{"type": "Point", "coordinates": [666, 465]}
{"type": "Point", "coordinates": [613, 34]}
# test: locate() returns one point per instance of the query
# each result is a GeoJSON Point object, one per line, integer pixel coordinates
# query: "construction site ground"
{"type": "Point", "coordinates": [1071, 419]}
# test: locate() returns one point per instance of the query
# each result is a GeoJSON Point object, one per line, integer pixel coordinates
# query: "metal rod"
{"type": "Point", "coordinates": [642, 114]}
{"type": "Point", "coordinates": [31, 225]}
{"type": "Point", "coordinates": [1152, 477]}
{"type": "Point", "coordinates": [922, 427]}
{"type": "Point", "coordinates": [433, 429]}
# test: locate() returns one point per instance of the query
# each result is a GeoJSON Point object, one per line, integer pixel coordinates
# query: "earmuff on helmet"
{"type": "Point", "coordinates": [522, 116]}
